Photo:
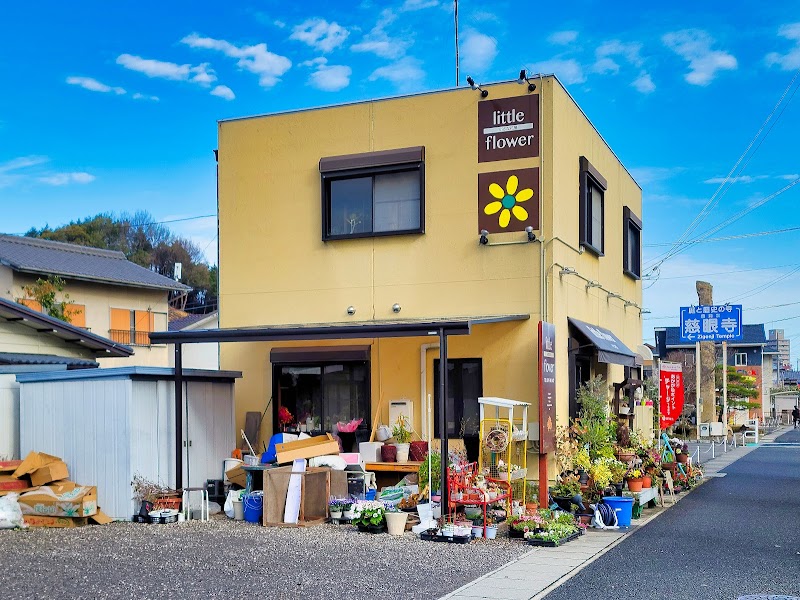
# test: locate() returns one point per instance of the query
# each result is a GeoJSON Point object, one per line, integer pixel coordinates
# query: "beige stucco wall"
{"type": "Point", "coordinates": [275, 268]}
{"type": "Point", "coordinates": [99, 299]}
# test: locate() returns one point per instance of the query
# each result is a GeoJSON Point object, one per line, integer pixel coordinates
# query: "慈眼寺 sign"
{"type": "Point", "coordinates": [671, 404]}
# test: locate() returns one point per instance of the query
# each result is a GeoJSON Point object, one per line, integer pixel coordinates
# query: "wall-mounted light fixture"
{"type": "Point", "coordinates": [476, 86]}
{"type": "Point", "coordinates": [630, 303]}
{"type": "Point", "coordinates": [644, 311]}
{"type": "Point", "coordinates": [613, 295]}
{"type": "Point", "coordinates": [483, 240]}
{"type": "Point", "coordinates": [523, 79]}
{"type": "Point", "coordinates": [396, 308]}
{"type": "Point", "coordinates": [351, 310]}
{"type": "Point", "coordinates": [531, 235]}
{"type": "Point", "coordinates": [592, 284]}
{"type": "Point", "coordinates": [567, 271]}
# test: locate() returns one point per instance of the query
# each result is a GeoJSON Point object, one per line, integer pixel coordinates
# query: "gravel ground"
{"type": "Point", "coordinates": [236, 560]}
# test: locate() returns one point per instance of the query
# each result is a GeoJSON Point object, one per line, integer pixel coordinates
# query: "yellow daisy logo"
{"type": "Point", "coordinates": [507, 200]}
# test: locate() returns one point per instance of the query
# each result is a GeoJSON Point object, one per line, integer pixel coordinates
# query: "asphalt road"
{"type": "Point", "coordinates": [732, 536]}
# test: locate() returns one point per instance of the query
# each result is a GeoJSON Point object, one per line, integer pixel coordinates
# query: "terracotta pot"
{"type": "Point", "coordinates": [531, 507]}
{"type": "Point", "coordinates": [647, 482]}
{"type": "Point", "coordinates": [683, 458]}
{"type": "Point", "coordinates": [625, 456]}
{"type": "Point", "coordinates": [635, 485]}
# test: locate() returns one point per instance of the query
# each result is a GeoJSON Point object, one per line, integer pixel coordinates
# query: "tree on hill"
{"type": "Point", "coordinates": [148, 244]}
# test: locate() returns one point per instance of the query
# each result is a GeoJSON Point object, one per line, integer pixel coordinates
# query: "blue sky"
{"type": "Point", "coordinates": [113, 107]}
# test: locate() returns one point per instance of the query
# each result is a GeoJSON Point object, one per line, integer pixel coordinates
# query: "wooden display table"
{"type": "Point", "coordinates": [645, 496]}
{"type": "Point", "coordinates": [386, 472]}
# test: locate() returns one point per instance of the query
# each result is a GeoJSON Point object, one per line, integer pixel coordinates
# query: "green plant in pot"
{"type": "Point", "coordinates": [433, 462]}
{"type": "Point", "coordinates": [401, 432]}
{"type": "Point", "coordinates": [371, 516]}
{"type": "Point", "coordinates": [566, 493]}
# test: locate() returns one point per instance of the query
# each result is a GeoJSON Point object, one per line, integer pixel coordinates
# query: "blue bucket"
{"type": "Point", "coordinates": [253, 507]}
{"type": "Point", "coordinates": [623, 507]}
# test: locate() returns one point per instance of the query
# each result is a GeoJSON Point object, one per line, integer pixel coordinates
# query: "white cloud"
{"type": "Point", "coordinates": [483, 16]}
{"type": "Point", "coordinates": [562, 38]}
{"type": "Point", "coordinates": [65, 178]}
{"type": "Point", "coordinates": [739, 179]}
{"type": "Point", "coordinates": [22, 162]}
{"type": "Point", "coordinates": [646, 176]}
{"type": "Point", "coordinates": [630, 51]}
{"type": "Point", "coordinates": [257, 59]}
{"type": "Point", "coordinates": [378, 42]}
{"type": "Point", "coordinates": [279, 24]}
{"type": "Point", "coordinates": [328, 78]}
{"type": "Point", "coordinates": [644, 83]}
{"type": "Point", "coordinates": [791, 60]}
{"type": "Point", "coordinates": [155, 68]}
{"type": "Point", "coordinates": [91, 84]}
{"type": "Point", "coordinates": [478, 51]}
{"type": "Point", "coordinates": [320, 34]}
{"type": "Point", "coordinates": [223, 91]}
{"type": "Point", "coordinates": [410, 5]}
{"type": "Point", "coordinates": [138, 96]}
{"type": "Point", "coordinates": [406, 74]}
{"type": "Point", "coordinates": [789, 176]}
{"type": "Point", "coordinates": [568, 70]}
{"type": "Point", "coordinates": [605, 66]}
{"type": "Point", "coordinates": [694, 46]}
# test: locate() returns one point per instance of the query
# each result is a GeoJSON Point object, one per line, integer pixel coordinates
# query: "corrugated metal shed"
{"type": "Point", "coordinates": [110, 424]}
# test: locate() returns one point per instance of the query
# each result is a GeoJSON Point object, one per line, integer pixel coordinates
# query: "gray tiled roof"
{"type": "Point", "coordinates": [183, 322]}
{"type": "Point", "coordinates": [33, 255]}
{"type": "Point", "coordinates": [16, 358]}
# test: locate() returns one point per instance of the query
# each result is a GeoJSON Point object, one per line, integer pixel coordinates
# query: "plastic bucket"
{"type": "Point", "coordinates": [238, 510]}
{"type": "Point", "coordinates": [623, 507]}
{"type": "Point", "coordinates": [254, 505]}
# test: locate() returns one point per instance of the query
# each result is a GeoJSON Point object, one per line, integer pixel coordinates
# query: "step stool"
{"type": "Point", "coordinates": [187, 510]}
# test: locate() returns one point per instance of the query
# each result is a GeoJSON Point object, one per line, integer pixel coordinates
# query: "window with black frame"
{"type": "Point", "coordinates": [464, 387]}
{"type": "Point", "coordinates": [592, 208]}
{"type": "Point", "coordinates": [373, 194]}
{"type": "Point", "coordinates": [322, 394]}
{"type": "Point", "coordinates": [631, 244]}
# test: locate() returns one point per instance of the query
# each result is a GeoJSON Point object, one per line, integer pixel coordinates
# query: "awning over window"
{"type": "Point", "coordinates": [317, 354]}
{"type": "Point", "coordinates": [610, 348]}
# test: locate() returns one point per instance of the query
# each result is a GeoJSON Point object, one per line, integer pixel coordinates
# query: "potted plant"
{"type": "Point", "coordinates": [434, 459]}
{"type": "Point", "coordinates": [348, 512]}
{"type": "Point", "coordinates": [395, 520]}
{"type": "Point", "coordinates": [491, 528]}
{"type": "Point", "coordinates": [335, 508]}
{"type": "Point", "coordinates": [634, 478]}
{"type": "Point", "coordinates": [401, 432]}
{"type": "Point", "coordinates": [371, 516]}
{"type": "Point", "coordinates": [583, 465]}
{"type": "Point", "coordinates": [531, 496]}
{"type": "Point", "coordinates": [566, 493]}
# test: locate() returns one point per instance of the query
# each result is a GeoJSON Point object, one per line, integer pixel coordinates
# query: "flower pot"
{"type": "Point", "coordinates": [618, 487]}
{"type": "Point", "coordinates": [336, 514]}
{"type": "Point", "coordinates": [531, 507]}
{"type": "Point", "coordinates": [635, 484]}
{"type": "Point", "coordinates": [625, 456]}
{"type": "Point", "coordinates": [371, 528]}
{"type": "Point", "coordinates": [418, 451]}
{"type": "Point", "coordinates": [477, 531]}
{"type": "Point", "coordinates": [491, 532]}
{"type": "Point", "coordinates": [349, 514]}
{"type": "Point", "coordinates": [564, 502]}
{"type": "Point", "coordinates": [584, 477]}
{"type": "Point", "coordinates": [396, 522]}
{"type": "Point", "coordinates": [389, 453]}
{"type": "Point", "coordinates": [647, 482]}
{"type": "Point", "coordinates": [402, 452]}
{"type": "Point", "coordinates": [682, 458]}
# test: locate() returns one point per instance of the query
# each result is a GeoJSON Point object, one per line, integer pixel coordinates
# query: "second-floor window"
{"type": "Point", "coordinates": [76, 313]}
{"type": "Point", "coordinates": [631, 243]}
{"type": "Point", "coordinates": [373, 194]}
{"type": "Point", "coordinates": [592, 208]}
{"type": "Point", "coordinates": [131, 327]}
{"type": "Point", "coordinates": [740, 359]}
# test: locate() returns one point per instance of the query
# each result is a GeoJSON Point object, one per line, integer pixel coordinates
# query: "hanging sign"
{"type": "Point", "coordinates": [547, 387]}
{"type": "Point", "coordinates": [508, 128]}
{"type": "Point", "coordinates": [671, 404]}
{"type": "Point", "coordinates": [718, 323]}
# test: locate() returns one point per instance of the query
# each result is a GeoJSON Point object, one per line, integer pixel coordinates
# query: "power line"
{"type": "Point", "coordinates": [149, 223]}
{"type": "Point", "coordinates": [729, 272]}
{"type": "Point", "coordinates": [731, 237]}
{"type": "Point", "coordinates": [750, 308]}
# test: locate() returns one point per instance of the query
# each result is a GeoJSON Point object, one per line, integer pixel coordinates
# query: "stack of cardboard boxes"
{"type": "Point", "coordinates": [46, 496]}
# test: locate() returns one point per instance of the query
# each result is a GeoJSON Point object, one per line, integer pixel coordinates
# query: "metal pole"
{"type": "Point", "coordinates": [725, 386]}
{"type": "Point", "coordinates": [698, 401]}
{"type": "Point", "coordinates": [657, 434]}
{"type": "Point", "coordinates": [178, 416]}
{"type": "Point", "coordinates": [455, 15]}
{"type": "Point", "coordinates": [445, 455]}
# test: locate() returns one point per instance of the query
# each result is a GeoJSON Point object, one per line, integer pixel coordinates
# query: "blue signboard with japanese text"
{"type": "Point", "coordinates": [716, 323]}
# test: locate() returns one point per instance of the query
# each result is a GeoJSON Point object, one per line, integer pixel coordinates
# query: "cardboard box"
{"type": "Point", "coordinates": [57, 522]}
{"type": "Point", "coordinates": [9, 465]}
{"type": "Point", "coordinates": [52, 471]}
{"type": "Point", "coordinates": [237, 475]}
{"type": "Point", "coordinates": [9, 483]}
{"type": "Point", "coordinates": [34, 461]}
{"type": "Point", "coordinates": [66, 500]}
{"type": "Point", "coordinates": [315, 490]}
{"type": "Point", "coordinates": [308, 448]}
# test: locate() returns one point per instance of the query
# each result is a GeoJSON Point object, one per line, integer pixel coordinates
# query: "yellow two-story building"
{"type": "Point", "coordinates": [493, 211]}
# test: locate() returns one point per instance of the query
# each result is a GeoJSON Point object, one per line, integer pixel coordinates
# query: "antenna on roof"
{"type": "Point", "coordinates": [177, 272]}
{"type": "Point", "coordinates": [455, 17]}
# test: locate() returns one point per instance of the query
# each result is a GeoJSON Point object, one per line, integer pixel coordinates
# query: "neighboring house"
{"type": "Point", "coordinates": [33, 342]}
{"type": "Point", "coordinates": [196, 356]}
{"type": "Point", "coordinates": [746, 356]}
{"type": "Point", "coordinates": [432, 211]}
{"type": "Point", "coordinates": [108, 294]}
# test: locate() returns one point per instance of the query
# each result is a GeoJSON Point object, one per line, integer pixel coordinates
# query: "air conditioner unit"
{"type": "Point", "coordinates": [716, 428]}
{"type": "Point", "coordinates": [705, 429]}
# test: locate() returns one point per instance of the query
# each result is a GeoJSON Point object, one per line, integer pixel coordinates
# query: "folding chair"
{"type": "Point", "coordinates": [670, 489]}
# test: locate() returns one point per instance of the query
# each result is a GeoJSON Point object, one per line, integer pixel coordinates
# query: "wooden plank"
{"type": "Point", "coordinates": [406, 467]}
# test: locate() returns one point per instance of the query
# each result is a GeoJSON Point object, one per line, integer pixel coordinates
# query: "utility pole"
{"type": "Point", "coordinates": [697, 399]}
{"type": "Point", "coordinates": [725, 386]}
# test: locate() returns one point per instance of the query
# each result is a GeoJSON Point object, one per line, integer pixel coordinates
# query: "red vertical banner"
{"type": "Point", "coordinates": [671, 403]}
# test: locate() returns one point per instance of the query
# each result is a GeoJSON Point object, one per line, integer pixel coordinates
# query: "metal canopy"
{"type": "Point", "coordinates": [610, 348]}
{"type": "Point", "coordinates": [334, 331]}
